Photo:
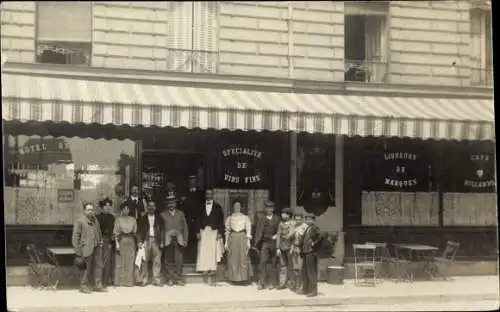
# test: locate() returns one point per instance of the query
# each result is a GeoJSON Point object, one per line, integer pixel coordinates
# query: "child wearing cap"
{"type": "Point", "coordinates": [283, 244]}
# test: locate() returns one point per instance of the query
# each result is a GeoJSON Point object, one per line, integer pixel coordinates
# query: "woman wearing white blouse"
{"type": "Point", "coordinates": [238, 236]}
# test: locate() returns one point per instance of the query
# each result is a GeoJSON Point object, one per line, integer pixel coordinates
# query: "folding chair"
{"type": "Point", "coordinates": [402, 265]}
{"type": "Point", "coordinates": [364, 261]}
{"type": "Point", "coordinates": [42, 271]}
{"type": "Point", "coordinates": [447, 258]}
{"type": "Point", "coordinates": [381, 258]}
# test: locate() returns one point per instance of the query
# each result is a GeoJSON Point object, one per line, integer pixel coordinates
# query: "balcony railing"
{"type": "Point", "coordinates": [365, 71]}
{"type": "Point", "coordinates": [195, 61]}
{"type": "Point", "coordinates": [482, 77]}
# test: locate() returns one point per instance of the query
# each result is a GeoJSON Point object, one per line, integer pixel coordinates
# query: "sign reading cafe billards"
{"type": "Point", "coordinates": [240, 165]}
{"type": "Point", "coordinates": [400, 177]}
{"type": "Point", "coordinates": [481, 160]}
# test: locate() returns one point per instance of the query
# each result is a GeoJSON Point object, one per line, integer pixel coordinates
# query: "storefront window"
{"type": "Point", "coordinates": [48, 178]}
{"type": "Point", "coordinates": [469, 184]}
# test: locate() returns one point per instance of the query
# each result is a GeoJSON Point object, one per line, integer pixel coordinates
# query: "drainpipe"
{"type": "Point", "coordinates": [293, 121]}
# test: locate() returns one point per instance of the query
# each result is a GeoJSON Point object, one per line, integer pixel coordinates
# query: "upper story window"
{"type": "Point", "coordinates": [64, 32]}
{"type": "Point", "coordinates": [192, 36]}
{"type": "Point", "coordinates": [365, 37]}
{"type": "Point", "coordinates": [481, 47]}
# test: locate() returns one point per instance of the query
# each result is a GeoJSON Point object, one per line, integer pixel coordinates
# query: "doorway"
{"type": "Point", "coordinates": [165, 171]}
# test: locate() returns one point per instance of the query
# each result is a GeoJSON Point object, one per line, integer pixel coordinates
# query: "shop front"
{"type": "Point", "coordinates": [68, 139]}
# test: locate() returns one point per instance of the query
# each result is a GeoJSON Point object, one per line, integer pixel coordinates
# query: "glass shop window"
{"type": "Point", "coordinates": [48, 178]}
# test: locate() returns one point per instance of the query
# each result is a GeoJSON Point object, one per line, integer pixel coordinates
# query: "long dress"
{"type": "Point", "coordinates": [238, 232]}
{"type": "Point", "coordinates": [124, 233]}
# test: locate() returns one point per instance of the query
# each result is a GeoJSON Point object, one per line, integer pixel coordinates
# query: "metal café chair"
{"type": "Point", "coordinates": [364, 261]}
{"type": "Point", "coordinates": [447, 258]}
{"type": "Point", "coordinates": [42, 271]}
{"type": "Point", "coordinates": [402, 266]}
{"type": "Point", "coordinates": [382, 258]}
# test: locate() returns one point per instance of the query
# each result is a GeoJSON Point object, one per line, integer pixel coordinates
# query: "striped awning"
{"type": "Point", "coordinates": [37, 98]}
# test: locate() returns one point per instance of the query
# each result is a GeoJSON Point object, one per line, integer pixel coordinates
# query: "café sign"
{"type": "Point", "coordinates": [241, 165]}
{"type": "Point", "coordinates": [477, 182]}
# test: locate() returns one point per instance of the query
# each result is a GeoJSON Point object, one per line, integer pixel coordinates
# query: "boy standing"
{"type": "Point", "coordinates": [283, 245]}
{"type": "Point", "coordinates": [310, 257]}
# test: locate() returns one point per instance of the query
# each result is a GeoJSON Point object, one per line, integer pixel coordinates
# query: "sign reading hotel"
{"type": "Point", "coordinates": [242, 166]}
{"type": "Point", "coordinates": [481, 178]}
{"type": "Point", "coordinates": [400, 176]}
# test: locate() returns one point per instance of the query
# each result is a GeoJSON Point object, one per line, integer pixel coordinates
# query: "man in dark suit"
{"type": "Point", "coordinates": [175, 239]}
{"type": "Point", "coordinates": [310, 265]}
{"type": "Point", "coordinates": [210, 232]}
{"type": "Point", "coordinates": [149, 234]}
{"type": "Point", "coordinates": [87, 241]}
{"type": "Point", "coordinates": [265, 241]}
{"type": "Point", "coordinates": [191, 201]}
{"type": "Point", "coordinates": [136, 203]}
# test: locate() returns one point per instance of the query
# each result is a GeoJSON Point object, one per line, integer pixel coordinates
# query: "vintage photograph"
{"type": "Point", "coordinates": [238, 156]}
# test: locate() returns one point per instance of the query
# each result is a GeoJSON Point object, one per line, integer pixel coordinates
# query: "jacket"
{"type": "Point", "coordinates": [143, 228]}
{"type": "Point", "coordinates": [215, 220]}
{"type": "Point", "coordinates": [178, 223]}
{"type": "Point", "coordinates": [310, 238]}
{"type": "Point", "coordinates": [259, 231]}
{"type": "Point", "coordinates": [84, 238]}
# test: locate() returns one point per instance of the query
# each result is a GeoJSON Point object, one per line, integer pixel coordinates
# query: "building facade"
{"type": "Point", "coordinates": [94, 95]}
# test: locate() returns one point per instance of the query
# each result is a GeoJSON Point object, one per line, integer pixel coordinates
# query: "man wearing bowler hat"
{"type": "Point", "coordinates": [265, 240]}
{"type": "Point", "coordinates": [175, 239]}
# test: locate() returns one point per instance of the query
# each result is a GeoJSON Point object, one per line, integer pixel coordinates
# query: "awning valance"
{"type": "Point", "coordinates": [40, 98]}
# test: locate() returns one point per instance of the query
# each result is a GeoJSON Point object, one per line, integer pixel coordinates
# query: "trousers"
{"type": "Point", "coordinates": [286, 266]}
{"type": "Point", "coordinates": [174, 259]}
{"type": "Point", "coordinates": [310, 273]}
{"type": "Point", "coordinates": [93, 270]}
{"type": "Point", "coordinates": [153, 254]}
{"type": "Point", "coordinates": [267, 264]}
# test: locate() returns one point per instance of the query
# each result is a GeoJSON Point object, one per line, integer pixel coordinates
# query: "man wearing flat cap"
{"type": "Point", "coordinates": [175, 239]}
{"type": "Point", "coordinates": [265, 240]}
{"type": "Point", "coordinates": [310, 265]}
{"type": "Point", "coordinates": [283, 244]}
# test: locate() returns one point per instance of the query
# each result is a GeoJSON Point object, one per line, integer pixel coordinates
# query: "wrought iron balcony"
{"type": "Point", "coordinates": [482, 77]}
{"type": "Point", "coordinates": [365, 71]}
{"type": "Point", "coordinates": [194, 61]}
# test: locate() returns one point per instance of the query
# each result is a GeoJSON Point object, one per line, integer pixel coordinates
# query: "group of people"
{"type": "Point", "coordinates": [118, 251]}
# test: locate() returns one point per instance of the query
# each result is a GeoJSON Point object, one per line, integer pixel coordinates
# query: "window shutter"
{"type": "Point", "coordinates": [65, 21]}
{"type": "Point", "coordinates": [180, 35]}
{"type": "Point", "coordinates": [205, 35]}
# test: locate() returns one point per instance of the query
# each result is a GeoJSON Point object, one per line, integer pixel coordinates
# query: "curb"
{"type": "Point", "coordinates": [231, 305]}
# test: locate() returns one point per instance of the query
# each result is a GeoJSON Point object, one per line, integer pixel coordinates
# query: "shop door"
{"type": "Point", "coordinates": [161, 171]}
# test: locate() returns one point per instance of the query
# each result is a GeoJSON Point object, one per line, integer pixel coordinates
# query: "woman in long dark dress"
{"type": "Point", "coordinates": [238, 236]}
{"type": "Point", "coordinates": [124, 233]}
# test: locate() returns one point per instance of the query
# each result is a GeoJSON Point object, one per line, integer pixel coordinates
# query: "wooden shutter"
{"type": "Point", "coordinates": [180, 35]}
{"type": "Point", "coordinates": [64, 21]}
{"type": "Point", "coordinates": [205, 36]}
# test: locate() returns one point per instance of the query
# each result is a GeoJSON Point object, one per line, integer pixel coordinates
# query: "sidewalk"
{"type": "Point", "coordinates": [202, 296]}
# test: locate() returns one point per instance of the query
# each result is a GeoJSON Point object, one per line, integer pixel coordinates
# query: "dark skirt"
{"type": "Point", "coordinates": [125, 262]}
{"type": "Point", "coordinates": [239, 268]}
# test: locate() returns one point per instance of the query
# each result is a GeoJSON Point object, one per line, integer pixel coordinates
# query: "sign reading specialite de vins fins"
{"type": "Point", "coordinates": [242, 167]}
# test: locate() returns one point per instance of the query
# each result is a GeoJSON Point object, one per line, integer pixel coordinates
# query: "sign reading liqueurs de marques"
{"type": "Point", "coordinates": [242, 165]}
{"type": "Point", "coordinates": [400, 175]}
